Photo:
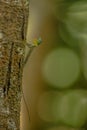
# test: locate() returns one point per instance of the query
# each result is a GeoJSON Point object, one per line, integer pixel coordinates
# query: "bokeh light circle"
{"type": "Point", "coordinates": [61, 68]}
{"type": "Point", "coordinates": [74, 28]}
{"type": "Point", "coordinates": [47, 109]}
{"type": "Point", "coordinates": [73, 108]}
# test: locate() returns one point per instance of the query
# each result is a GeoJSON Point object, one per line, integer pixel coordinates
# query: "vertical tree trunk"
{"type": "Point", "coordinates": [13, 25]}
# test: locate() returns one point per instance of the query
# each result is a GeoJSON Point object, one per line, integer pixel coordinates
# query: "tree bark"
{"type": "Point", "coordinates": [13, 26]}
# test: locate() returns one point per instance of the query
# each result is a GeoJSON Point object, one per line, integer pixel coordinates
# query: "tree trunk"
{"type": "Point", "coordinates": [13, 25]}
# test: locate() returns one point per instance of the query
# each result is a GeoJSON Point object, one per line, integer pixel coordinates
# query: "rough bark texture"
{"type": "Point", "coordinates": [13, 25]}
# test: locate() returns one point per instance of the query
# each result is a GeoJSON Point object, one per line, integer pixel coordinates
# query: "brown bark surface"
{"type": "Point", "coordinates": [13, 25]}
